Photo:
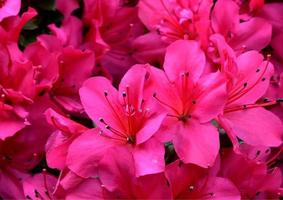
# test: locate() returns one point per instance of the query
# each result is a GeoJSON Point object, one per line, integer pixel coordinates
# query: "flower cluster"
{"type": "Point", "coordinates": [141, 99]}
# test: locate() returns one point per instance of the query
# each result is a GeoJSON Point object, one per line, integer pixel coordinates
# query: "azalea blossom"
{"type": "Point", "coordinates": [243, 116]}
{"type": "Point", "coordinates": [188, 96]}
{"type": "Point", "coordinates": [140, 99]}
{"type": "Point", "coordinates": [126, 117]}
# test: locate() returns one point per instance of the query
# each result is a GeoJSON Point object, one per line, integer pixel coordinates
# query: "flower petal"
{"type": "Point", "coordinates": [184, 56]}
{"type": "Point", "coordinates": [196, 143]}
{"type": "Point", "coordinates": [256, 126]}
{"type": "Point", "coordinates": [149, 157]}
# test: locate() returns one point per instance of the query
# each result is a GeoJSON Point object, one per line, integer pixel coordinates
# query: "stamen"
{"type": "Point", "coordinates": [236, 95]}
{"type": "Point", "coordinates": [113, 110]}
{"type": "Point", "coordinates": [45, 182]}
{"type": "Point", "coordinates": [165, 104]}
{"type": "Point", "coordinates": [248, 106]}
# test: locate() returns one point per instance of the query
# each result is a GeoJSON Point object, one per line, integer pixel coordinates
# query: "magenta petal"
{"type": "Point", "coordinates": [223, 189]}
{"type": "Point", "coordinates": [256, 126]}
{"type": "Point", "coordinates": [210, 87]}
{"type": "Point", "coordinates": [150, 127]}
{"type": "Point", "coordinates": [132, 84]}
{"type": "Point", "coordinates": [225, 16]}
{"type": "Point", "coordinates": [93, 98]}
{"type": "Point", "coordinates": [177, 60]}
{"type": "Point", "coordinates": [153, 186]}
{"type": "Point", "coordinates": [13, 188]}
{"type": "Point", "coordinates": [87, 189]}
{"type": "Point", "coordinates": [252, 70]}
{"type": "Point", "coordinates": [86, 151]}
{"type": "Point", "coordinates": [10, 8]}
{"type": "Point", "coordinates": [197, 143]}
{"type": "Point", "coordinates": [117, 172]}
{"type": "Point", "coordinates": [39, 186]}
{"type": "Point", "coordinates": [149, 48]}
{"type": "Point", "coordinates": [246, 36]}
{"type": "Point", "coordinates": [10, 124]}
{"type": "Point", "coordinates": [149, 157]}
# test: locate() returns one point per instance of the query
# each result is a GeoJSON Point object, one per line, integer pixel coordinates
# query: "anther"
{"type": "Point", "coordinates": [105, 93]}
{"type": "Point", "coordinates": [191, 188]}
{"type": "Point", "coordinates": [124, 94]}
{"type": "Point", "coordinates": [258, 70]}
{"type": "Point", "coordinates": [280, 100]}
{"type": "Point", "coordinates": [245, 84]}
{"type": "Point", "coordinates": [244, 106]}
{"type": "Point", "coordinates": [154, 94]}
{"type": "Point", "coordinates": [194, 102]}
{"type": "Point", "coordinates": [101, 119]}
{"type": "Point", "coordinates": [107, 127]}
{"type": "Point", "coordinates": [263, 79]}
{"type": "Point", "coordinates": [265, 100]}
{"type": "Point", "coordinates": [212, 194]}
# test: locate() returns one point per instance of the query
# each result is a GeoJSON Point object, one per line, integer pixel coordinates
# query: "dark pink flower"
{"type": "Point", "coordinates": [189, 98]}
{"type": "Point", "coordinates": [58, 143]}
{"type": "Point", "coordinates": [39, 186]}
{"type": "Point", "coordinates": [188, 181]}
{"type": "Point", "coordinates": [225, 20]}
{"type": "Point", "coordinates": [243, 117]}
{"type": "Point", "coordinates": [127, 118]}
{"type": "Point", "coordinates": [253, 179]}
{"type": "Point", "coordinates": [117, 176]}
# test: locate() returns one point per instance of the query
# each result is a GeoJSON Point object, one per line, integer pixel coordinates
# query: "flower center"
{"type": "Point", "coordinates": [130, 119]}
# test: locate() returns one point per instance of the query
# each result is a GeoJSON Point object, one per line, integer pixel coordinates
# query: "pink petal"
{"type": "Point", "coordinates": [149, 48]}
{"type": "Point", "coordinates": [210, 87]}
{"type": "Point", "coordinates": [75, 67]}
{"type": "Point", "coordinates": [225, 16]}
{"type": "Point", "coordinates": [246, 36]}
{"type": "Point", "coordinates": [10, 8]}
{"type": "Point", "coordinates": [255, 73]}
{"type": "Point", "coordinates": [117, 172]}
{"type": "Point", "coordinates": [151, 126]}
{"type": "Point", "coordinates": [133, 83]}
{"type": "Point", "coordinates": [153, 186]}
{"type": "Point", "coordinates": [256, 126]}
{"type": "Point", "coordinates": [149, 157]}
{"type": "Point", "coordinates": [39, 186]}
{"type": "Point", "coordinates": [193, 64]}
{"type": "Point", "coordinates": [10, 124]}
{"type": "Point", "coordinates": [223, 189]}
{"type": "Point", "coordinates": [13, 188]}
{"type": "Point", "coordinates": [96, 104]}
{"type": "Point", "coordinates": [68, 8]}
{"type": "Point", "coordinates": [79, 158]}
{"type": "Point", "coordinates": [87, 189]}
{"type": "Point", "coordinates": [196, 143]}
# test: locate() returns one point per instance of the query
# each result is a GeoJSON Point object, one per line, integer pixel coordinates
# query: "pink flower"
{"type": "Point", "coordinates": [243, 117]}
{"type": "Point", "coordinates": [126, 117]}
{"type": "Point", "coordinates": [174, 20]}
{"type": "Point", "coordinates": [169, 21]}
{"type": "Point", "coordinates": [189, 181]}
{"type": "Point", "coordinates": [39, 186]}
{"type": "Point", "coordinates": [192, 102]}
{"type": "Point", "coordinates": [117, 176]}
{"type": "Point", "coordinates": [225, 20]}
{"type": "Point", "coordinates": [9, 8]}
{"type": "Point", "coordinates": [58, 143]}
{"type": "Point", "coordinates": [253, 179]}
